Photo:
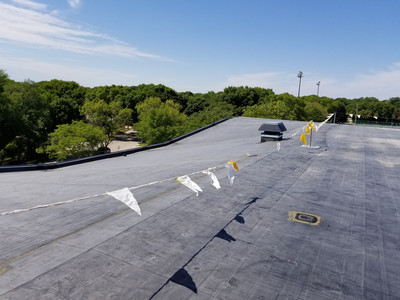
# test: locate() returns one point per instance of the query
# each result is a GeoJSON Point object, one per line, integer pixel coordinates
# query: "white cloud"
{"type": "Point", "coordinates": [42, 70]}
{"type": "Point", "coordinates": [34, 27]}
{"type": "Point", "coordinates": [382, 84]}
{"type": "Point", "coordinates": [31, 4]}
{"type": "Point", "coordinates": [74, 3]}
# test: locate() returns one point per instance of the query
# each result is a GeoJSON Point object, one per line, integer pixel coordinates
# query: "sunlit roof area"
{"type": "Point", "coordinates": [315, 221]}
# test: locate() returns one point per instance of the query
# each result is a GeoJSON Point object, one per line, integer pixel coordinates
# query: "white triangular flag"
{"type": "Point", "coordinates": [125, 196]}
{"type": "Point", "coordinates": [186, 181]}
{"type": "Point", "coordinates": [213, 179]}
{"type": "Point", "coordinates": [232, 168]}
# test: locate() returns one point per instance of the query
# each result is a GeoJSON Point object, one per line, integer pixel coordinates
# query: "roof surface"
{"type": "Point", "coordinates": [238, 242]}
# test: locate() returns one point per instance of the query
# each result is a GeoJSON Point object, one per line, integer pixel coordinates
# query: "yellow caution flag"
{"type": "Point", "coordinates": [233, 162]}
{"type": "Point", "coordinates": [303, 138]}
{"type": "Point", "coordinates": [312, 125]}
{"type": "Point", "coordinates": [232, 168]}
{"type": "Point", "coordinates": [307, 130]}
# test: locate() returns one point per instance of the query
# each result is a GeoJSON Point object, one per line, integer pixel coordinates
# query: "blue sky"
{"type": "Point", "coordinates": [351, 46]}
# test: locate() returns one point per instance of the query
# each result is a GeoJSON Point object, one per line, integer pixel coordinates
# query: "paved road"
{"type": "Point", "coordinates": [233, 243]}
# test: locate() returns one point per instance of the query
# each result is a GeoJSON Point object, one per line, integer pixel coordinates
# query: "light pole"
{"type": "Point", "coordinates": [299, 75]}
{"type": "Point", "coordinates": [318, 83]}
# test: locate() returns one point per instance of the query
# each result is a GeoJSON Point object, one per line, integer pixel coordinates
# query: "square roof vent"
{"type": "Point", "coordinates": [273, 127]}
{"type": "Point", "coordinates": [272, 131]}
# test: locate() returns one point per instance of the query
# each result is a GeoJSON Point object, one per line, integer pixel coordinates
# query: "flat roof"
{"type": "Point", "coordinates": [246, 241]}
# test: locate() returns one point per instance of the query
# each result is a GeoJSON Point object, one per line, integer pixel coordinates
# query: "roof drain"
{"type": "Point", "coordinates": [305, 218]}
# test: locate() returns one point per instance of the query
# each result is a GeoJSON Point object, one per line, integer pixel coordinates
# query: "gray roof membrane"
{"type": "Point", "coordinates": [297, 223]}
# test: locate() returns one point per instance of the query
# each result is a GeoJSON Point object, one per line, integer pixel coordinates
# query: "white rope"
{"type": "Point", "coordinates": [131, 188]}
{"type": "Point", "coordinates": [93, 196]}
{"type": "Point", "coordinates": [48, 205]}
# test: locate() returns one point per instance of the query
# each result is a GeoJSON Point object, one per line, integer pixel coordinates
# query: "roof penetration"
{"type": "Point", "coordinates": [273, 127]}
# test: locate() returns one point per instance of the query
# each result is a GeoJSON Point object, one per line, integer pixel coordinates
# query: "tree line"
{"type": "Point", "coordinates": [57, 120]}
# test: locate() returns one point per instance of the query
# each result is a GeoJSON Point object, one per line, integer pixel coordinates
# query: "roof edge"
{"type": "Point", "coordinates": [66, 163]}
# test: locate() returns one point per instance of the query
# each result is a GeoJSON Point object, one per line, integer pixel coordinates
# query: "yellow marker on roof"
{"type": "Point", "coordinates": [233, 162]}
{"type": "Point", "coordinates": [303, 139]}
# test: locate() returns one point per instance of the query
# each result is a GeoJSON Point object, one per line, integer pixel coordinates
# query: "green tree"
{"type": "Point", "coordinates": [242, 97]}
{"type": "Point", "coordinates": [6, 111]}
{"type": "Point", "coordinates": [159, 121]}
{"type": "Point", "coordinates": [282, 106]}
{"type": "Point", "coordinates": [212, 113]}
{"type": "Point", "coordinates": [315, 111]}
{"type": "Point", "coordinates": [159, 91]}
{"type": "Point", "coordinates": [336, 103]}
{"type": "Point", "coordinates": [257, 111]}
{"type": "Point", "coordinates": [280, 110]}
{"type": "Point", "coordinates": [75, 140]}
{"type": "Point", "coordinates": [396, 107]}
{"type": "Point", "coordinates": [109, 117]}
{"type": "Point", "coordinates": [195, 103]}
{"type": "Point", "coordinates": [30, 118]}
{"type": "Point", "coordinates": [385, 110]}
{"type": "Point", "coordinates": [341, 115]}
{"type": "Point", "coordinates": [64, 100]}
{"type": "Point", "coordinates": [131, 96]}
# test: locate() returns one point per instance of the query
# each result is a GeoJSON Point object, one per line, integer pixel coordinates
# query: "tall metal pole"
{"type": "Point", "coordinates": [299, 75]}
{"type": "Point", "coordinates": [318, 83]}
